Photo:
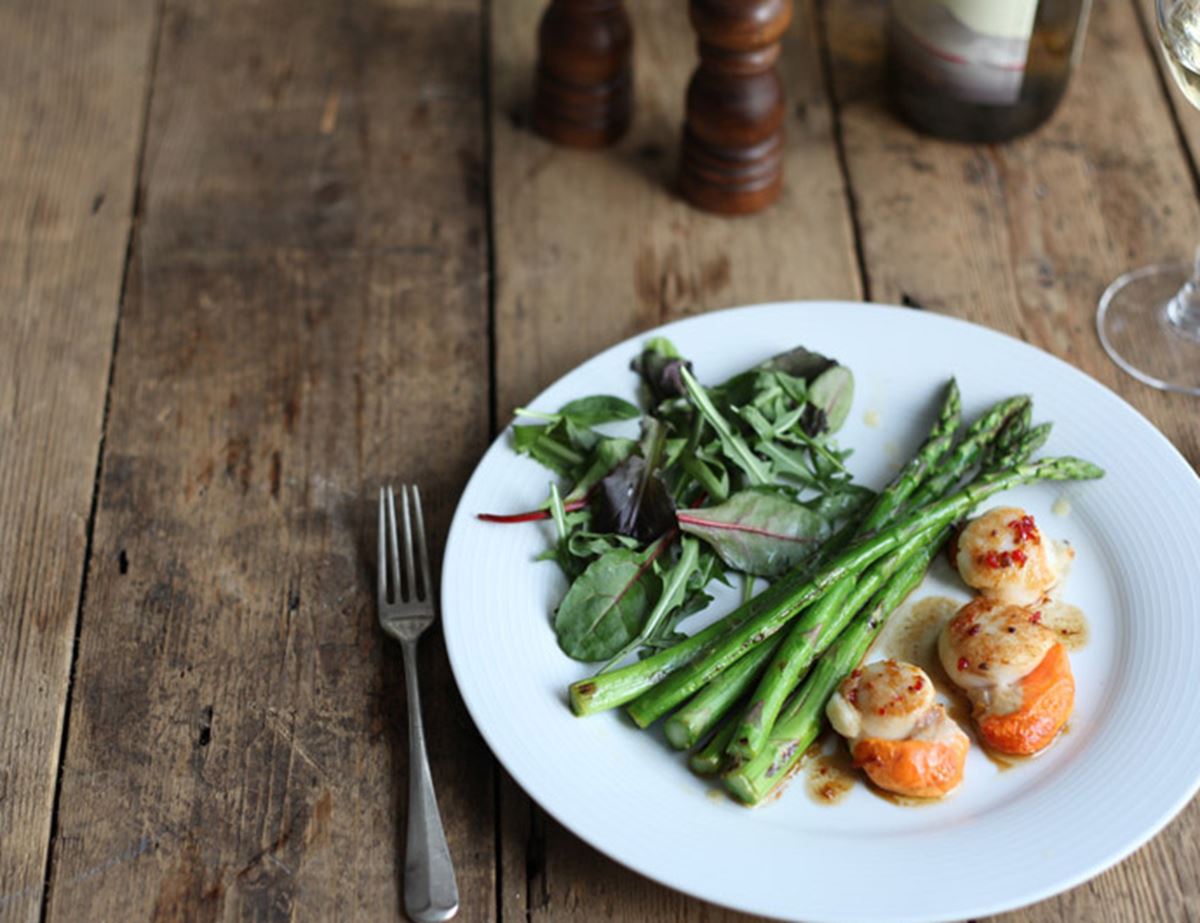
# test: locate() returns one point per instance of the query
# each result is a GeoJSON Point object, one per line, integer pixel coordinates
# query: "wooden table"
{"type": "Point", "coordinates": [256, 257]}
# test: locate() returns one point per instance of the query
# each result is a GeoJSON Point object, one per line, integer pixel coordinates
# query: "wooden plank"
{"type": "Point", "coordinates": [306, 316]}
{"type": "Point", "coordinates": [1023, 238]}
{"type": "Point", "coordinates": [592, 247]}
{"type": "Point", "coordinates": [72, 94]}
{"type": "Point", "coordinates": [1166, 872]}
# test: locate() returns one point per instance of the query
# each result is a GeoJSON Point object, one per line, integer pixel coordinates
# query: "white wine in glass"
{"type": "Point", "coordinates": [1149, 319]}
{"type": "Point", "coordinates": [1180, 35]}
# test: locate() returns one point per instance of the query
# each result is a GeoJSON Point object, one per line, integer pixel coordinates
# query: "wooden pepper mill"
{"type": "Point", "coordinates": [732, 158]}
{"type": "Point", "coordinates": [584, 92]}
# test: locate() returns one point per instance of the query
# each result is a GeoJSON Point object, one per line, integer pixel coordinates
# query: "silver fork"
{"type": "Point", "coordinates": [430, 892]}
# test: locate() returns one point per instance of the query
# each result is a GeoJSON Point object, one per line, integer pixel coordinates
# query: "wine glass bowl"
{"type": "Point", "coordinates": [1149, 319]}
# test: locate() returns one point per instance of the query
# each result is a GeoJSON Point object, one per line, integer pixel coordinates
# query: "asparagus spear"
{"type": "Point", "coordinates": [709, 759]}
{"type": "Point", "coordinates": [1011, 445]}
{"type": "Point", "coordinates": [796, 653]}
{"type": "Point", "coordinates": [920, 466]}
{"type": "Point", "coordinates": [979, 435]}
{"type": "Point", "coordinates": [709, 705]}
{"type": "Point", "coordinates": [800, 720]}
{"type": "Point", "coordinates": [691, 722]}
{"type": "Point", "coordinates": [685, 681]}
{"type": "Point", "coordinates": [754, 780]}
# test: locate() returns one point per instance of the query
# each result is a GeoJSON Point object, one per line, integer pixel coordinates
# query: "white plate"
{"type": "Point", "coordinates": [1130, 762]}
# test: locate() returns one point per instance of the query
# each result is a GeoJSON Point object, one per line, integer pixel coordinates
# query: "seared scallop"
{"type": "Point", "coordinates": [1014, 671]}
{"type": "Point", "coordinates": [897, 733]}
{"type": "Point", "coordinates": [1003, 554]}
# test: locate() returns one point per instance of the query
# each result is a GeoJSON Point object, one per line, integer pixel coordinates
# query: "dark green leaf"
{"type": "Point", "coordinates": [841, 502]}
{"type": "Point", "coordinates": [606, 606]}
{"type": "Point", "coordinates": [830, 396]}
{"type": "Point", "coordinates": [758, 533]}
{"type": "Point", "coordinates": [799, 363]}
{"type": "Point", "coordinates": [597, 409]}
{"type": "Point", "coordinates": [674, 581]}
{"type": "Point", "coordinates": [608, 453]}
{"type": "Point", "coordinates": [587, 544]}
{"type": "Point", "coordinates": [790, 463]}
{"type": "Point", "coordinates": [734, 446]}
{"type": "Point", "coordinates": [711, 476]}
{"type": "Point", "coordinates": [548, 445]}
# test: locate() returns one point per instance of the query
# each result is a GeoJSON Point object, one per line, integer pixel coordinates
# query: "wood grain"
{"type": "Point", "coordinates": [1024, 238]}
{"type": "Point", "coordinates": [593, 247]}
{"type": "Point", "coordinates": [306, 316]}
{"type": "Point", "coordinates": [68, 150]}
{"type": "Point", "coordinates": [590, 249]}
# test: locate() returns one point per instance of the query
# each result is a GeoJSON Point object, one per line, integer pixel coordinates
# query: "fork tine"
{"type": "Point", "coordinates": [393, 547]}
{"type": "Point", "coordinates": [381, 565]}
{"type": "Point", "coordinates": [410, 569]}
{"type": "Point", "coordinates": [422, 549]}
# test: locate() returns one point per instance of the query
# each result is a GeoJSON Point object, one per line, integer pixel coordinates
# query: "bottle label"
{"type": "Point", "coordinates": [972, 50]}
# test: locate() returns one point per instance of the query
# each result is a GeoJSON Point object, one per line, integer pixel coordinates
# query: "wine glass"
{"type": "Point", "coordinates": [1149, 319]}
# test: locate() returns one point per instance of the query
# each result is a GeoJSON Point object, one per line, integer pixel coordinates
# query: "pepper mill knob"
{"type": "Point", "coordinates": [732, 157]}
{"type": "Point", "coordinates": [584, 91]}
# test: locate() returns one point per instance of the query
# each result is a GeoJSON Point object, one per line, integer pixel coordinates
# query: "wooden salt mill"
{"type": "Point", "coordinates": [732, 157]}
{"type": "Point", "coordinates": [584, 91]}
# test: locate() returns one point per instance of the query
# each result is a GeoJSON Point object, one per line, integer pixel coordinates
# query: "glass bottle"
{"type": "Point", "coordinates": [982, 70]}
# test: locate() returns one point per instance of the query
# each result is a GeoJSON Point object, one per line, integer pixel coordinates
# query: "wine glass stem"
{"type": "Point", "coordinates": [1183, 311]}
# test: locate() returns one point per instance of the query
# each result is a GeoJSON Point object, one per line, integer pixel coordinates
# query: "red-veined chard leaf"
{"type": "Point", "coordinates": [607, 604]}
{"type": "Point", "coordinates": [758, 532]}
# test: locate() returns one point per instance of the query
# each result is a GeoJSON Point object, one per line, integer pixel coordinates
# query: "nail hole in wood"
{"type": "Point", "coordinates": [205, 727]}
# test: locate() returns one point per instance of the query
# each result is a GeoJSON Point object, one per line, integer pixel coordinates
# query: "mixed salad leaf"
{"type": "Point", "coordinates": [741, 477]}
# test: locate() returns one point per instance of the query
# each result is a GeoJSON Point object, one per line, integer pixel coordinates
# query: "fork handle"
{"type": "Point", "coordinates": [430, 892]}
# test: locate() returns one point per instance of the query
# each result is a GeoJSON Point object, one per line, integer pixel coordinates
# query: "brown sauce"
{"type": "Point", "coordinates": [1002, 761]}
{"type": "Point", "coordinates": [798, 768]}
{"type": "Point", "coordinates": [1068, 623]}
{"type": "Point", "coordinates": [904, 801]}
{"type": "Point", "coordinates": [1006, 761]}
{"type": "Point", "coordinates": [912, 635]}
{"type": "Point", "coordinates": [829, 772]}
